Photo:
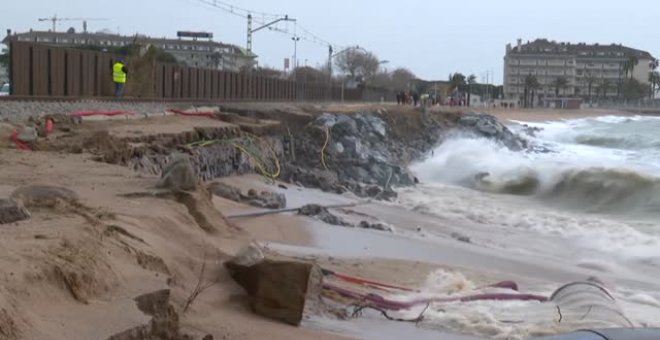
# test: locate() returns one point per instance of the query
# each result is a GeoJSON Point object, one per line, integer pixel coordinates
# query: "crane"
{"type": "Point", "coordinates": [55, 19]}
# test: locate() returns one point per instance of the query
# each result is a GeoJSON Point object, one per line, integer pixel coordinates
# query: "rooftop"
{"type": "Point", "coordinates": [116, 37]}
{"type": "Point", "coordinates": [546, 46]}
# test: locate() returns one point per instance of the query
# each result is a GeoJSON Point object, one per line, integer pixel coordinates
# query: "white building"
{"type": "Point", "coordinates": [587, 69]}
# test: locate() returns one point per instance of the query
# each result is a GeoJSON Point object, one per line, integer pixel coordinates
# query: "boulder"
{"type": "Point", "coordinates": [28, 135]}
{"type": "Point", "coordinates": [345, 126]}
{"type": "Point", "coordinates": [321, 213]}
{"type": "Point", "coordinates": [460, 237]}
{"type": "Point", "coordinates": [375, 226]}
{"type": "Point", "coordinates": [164, 323]}
{"type": "Point", "coordinates": [488, 126]}
{"type": "Point", "coordinates": [12, 211]}
{"type": "Point", "coordinates": [225, 191]}
{"type": "Point", "coordinates": [264, 199]}
{"type": "Point", "coordinates": [178, 174]}
{"type": "Point", "coordinates": [278, 289]}
{"type": "Point", "coordinates": [268, 200]}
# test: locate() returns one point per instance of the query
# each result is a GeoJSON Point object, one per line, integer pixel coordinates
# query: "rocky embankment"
{"type": "Point", "coordinates": [368, 153]}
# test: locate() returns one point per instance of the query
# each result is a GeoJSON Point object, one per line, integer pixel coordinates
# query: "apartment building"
{"type": "Point", "coordinates": [588, 69]}
{"type": "Point", "coordinates": [192, 52]}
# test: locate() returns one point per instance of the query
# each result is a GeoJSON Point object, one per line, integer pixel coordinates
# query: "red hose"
{"type": "Point", "coordinates": [198, 114]}
{"type": "Point", "coordinates": [358, 280]}
{"type": "Point", "coordinates": [384, 303]}
{"type": "Point", "coordinates": [20, 145]}
{"type": "Point", "coordinates": [101, 113]}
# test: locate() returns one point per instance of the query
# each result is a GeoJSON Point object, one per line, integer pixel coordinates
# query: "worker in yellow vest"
{"type": "Point", "coordinates": [119, 76]}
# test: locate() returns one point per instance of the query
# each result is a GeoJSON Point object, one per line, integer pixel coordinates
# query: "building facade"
{"type": "Point", "coordinates": [206, 54]}
{"type": "Point", "coordinates": [572, 70]}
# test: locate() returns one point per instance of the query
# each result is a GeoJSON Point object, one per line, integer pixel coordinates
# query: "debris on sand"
{"type": "Point", "coordinates": [263, 199]}
{"type": "Point", "coordinates": [164, 323]}
{"type": "Point", "coordinates": [321, 213]}
{"type": "Point", "coordinates": [12, 211]}
{"type": "Point", "coordinates": [44, 196]}
{"type": "Point", "coordinates": [277, 289]}
{"type": "Point", "coordinates": [376, 226]}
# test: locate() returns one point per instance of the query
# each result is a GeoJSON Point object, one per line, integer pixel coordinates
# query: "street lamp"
{"type": "Point", "coordinates": [295, 51]}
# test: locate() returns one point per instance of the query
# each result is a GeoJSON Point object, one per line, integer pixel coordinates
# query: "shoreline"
{"type": "Point", "coordinates": [153, 243]}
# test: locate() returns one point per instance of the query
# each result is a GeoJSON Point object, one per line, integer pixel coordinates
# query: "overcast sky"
{"type": "Point", "coordinates": [432, 38]}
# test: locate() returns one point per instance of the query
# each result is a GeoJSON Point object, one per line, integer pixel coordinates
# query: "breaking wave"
{"type": "Point", "coordinates": [581, 179]}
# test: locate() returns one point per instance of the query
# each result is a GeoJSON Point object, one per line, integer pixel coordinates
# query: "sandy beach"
{"type": "Point", "coordinates": [88, 262]}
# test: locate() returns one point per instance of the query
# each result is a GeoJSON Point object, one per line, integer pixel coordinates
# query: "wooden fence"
{"type": "Point", "coordinates": [40, 70]}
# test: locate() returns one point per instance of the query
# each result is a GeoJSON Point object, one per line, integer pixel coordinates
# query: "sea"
{"type": "Point", "coordinates": [585, 196]}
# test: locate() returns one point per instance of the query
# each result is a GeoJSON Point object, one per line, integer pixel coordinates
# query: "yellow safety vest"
{"type": "Point", "coordinates": [118, 75]}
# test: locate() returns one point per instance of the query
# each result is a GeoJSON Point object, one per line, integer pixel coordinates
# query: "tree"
{"type": "Point", "coordinates": [560, 83]}
{"type": "Point", "coordinates": [456, 81]}
{"type": "Point", "coordinates": [531, 85]}
{"type": "Point", "coordinates": [654, 82]}
{"type": "Point", "coordinates": [358, 64]}
{"type": "Point", "coordinates": [590, 79]}
{"type": "Point", "coordinates": [605, 87]}
{"type": "Point", "coordinates": [629, 66]}
{"type": "Point", "coordinates": [632, 89]}
{"type": "Point", "coordinates": [654, 76]}
{"type": "Point", "coordinates": [472, 79]}
{"type": "Point", "coordinates": [401, 78]}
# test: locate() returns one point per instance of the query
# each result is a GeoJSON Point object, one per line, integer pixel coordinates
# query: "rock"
{"type": "Point", "coordinates": [178, 175]}
{"type": "Point", "coordinates": [375, 226]}
{"type": "Point", "coordinates": [531, 130]}
{"type": "Point", "coordinates": [249, 256]}
{"type": "Point", "coordinates": [460, 237]}
{"type": "Point", "coordinates": [225, 191]}
{"type": "Point", "coordinates": [44, 196]}
{"type": "Point", "coordinates": [164, 323]}
{"type": "Point", "coordinates": [269, 200]}
{"type": "Point", "coordinates": [28, 135]}
{"type": "Point", "coordinates": [265, 199]}
{"type": "Point", "coordinates": [12, 211]}
{"type": "Point", "coordinates": [345, 126]}
{"type": "Point", "coordinates": [338, 148]}
{"type": "Point", "coordinates": [321, 213]}
{"type": "Point", "coordinates": [488, 126]}
{"type": "Point", "coordinates": [371, 124]}
{"type": "Point", "coordinates": [278, 289]}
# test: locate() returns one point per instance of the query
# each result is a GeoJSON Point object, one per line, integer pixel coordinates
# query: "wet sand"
{"type": "Point", "coordinates": [421, 244]}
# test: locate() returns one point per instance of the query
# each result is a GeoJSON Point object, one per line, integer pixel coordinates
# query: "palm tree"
{"type": "Point", "coordinates": [531, 85]}
{"type": "Point", "coordinates": [560, 83]}
{"type": "Point", "coordinates": [629, 66]}
{"type": "Point", "coordinates": [456, 81]}
{"type": "Point", "coordinates": [654, 81]}
{"type": "Point", "coordinates": [472, 79]}
{"type": "Point", "coordinates": [590, 83]}
{"type": "Point", "coordinates": [605, 87]}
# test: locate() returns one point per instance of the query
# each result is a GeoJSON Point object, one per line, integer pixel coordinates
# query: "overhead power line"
{"type": "Point", "coordinates": [272, 22]}
{"type": "Point", "coordinates": [240, 11]}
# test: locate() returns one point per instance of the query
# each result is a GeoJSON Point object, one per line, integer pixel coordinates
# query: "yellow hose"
{"type": "Point", "coordinates": [259, 162]}
{"type": "Point", "coordinates": [327, 140]}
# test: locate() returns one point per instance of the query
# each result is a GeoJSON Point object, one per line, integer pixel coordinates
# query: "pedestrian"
{"type": "Point", "coordinates": [119, 77]}
{"type": "Point", "coordinates": [415, 97]}
{"type": "Point", "coordinates": [398, 98]}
